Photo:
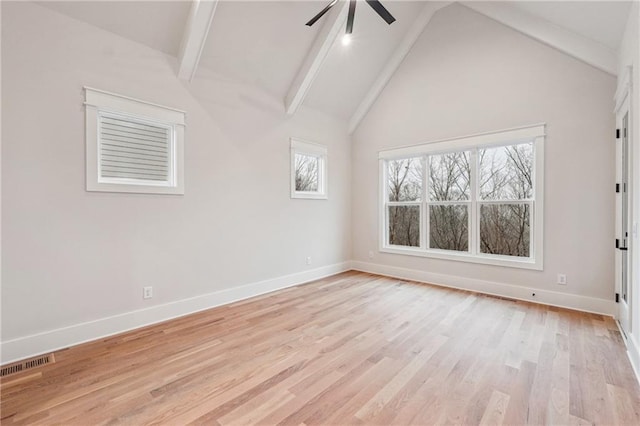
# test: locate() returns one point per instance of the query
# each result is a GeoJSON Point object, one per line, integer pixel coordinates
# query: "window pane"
{"type": "Point", "coordinates": [405, 179]}
{"type": "Point", "coordinates": [449, 176]}
{"type": "Point", "coordinates": [449, 227]}
{"type": "Point", "coordinates": [505, 229]}
{"type": "Point", "coordinates": [506, 172]}
{"type": "Point", "coordinates": [307, 169]}
{"type": "Point", "coordinates": [404, 226]}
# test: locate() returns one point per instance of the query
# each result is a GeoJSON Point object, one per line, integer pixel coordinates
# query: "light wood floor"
{"type": "Point", "coordinates": [350, 349]}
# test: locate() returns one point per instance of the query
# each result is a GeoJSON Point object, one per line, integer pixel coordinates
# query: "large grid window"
{"type": "Point", "coordinates": [476, 199]}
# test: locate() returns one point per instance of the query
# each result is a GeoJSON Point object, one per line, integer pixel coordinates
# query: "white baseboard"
{"type": "Point", "coordinates": [52, 340]}
{"type": "Point", "coordinates": [633, 352]}
{"type": "Point", "coordinates": [545, 297]}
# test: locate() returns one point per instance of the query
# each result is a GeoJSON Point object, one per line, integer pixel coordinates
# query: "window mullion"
{"type": "Point", "coordinates": [450, 203]}
{"type": "Point", "coordinates": [506, 202]}
{"type": "Point", "coordinates": [404, 203]}
{"type": "Point", "coordinates": [474, 222]}
{"type": "Point", "coordinates": [385, 202]}
{"type": "Point", "coordinates": [425, 209]}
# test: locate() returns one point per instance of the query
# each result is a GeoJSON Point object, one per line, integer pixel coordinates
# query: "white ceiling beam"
{"type": "Point", "coordinates": [394, 62]}
{"type": "Point", "coordinates": [195, 36]}
{"type": "Point", "coordinates": [334, 23]}
{"type": "Point", "coordinates": [566, 41]}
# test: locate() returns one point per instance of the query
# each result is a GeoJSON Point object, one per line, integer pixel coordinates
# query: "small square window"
{"type": "Point", "coordinates": [308, 170]}
{"type": "Point", "coordinates": [132, 145]}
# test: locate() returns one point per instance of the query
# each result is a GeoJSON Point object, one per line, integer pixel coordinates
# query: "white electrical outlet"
{"type": "Point", "coordinates": [147, 292]}
{"type": "Point", "coordinates": [308, 260]}
{"type": "Point", "coordinates": [562, 279]}
{"type": "Point", "coordinates": [370, 254]}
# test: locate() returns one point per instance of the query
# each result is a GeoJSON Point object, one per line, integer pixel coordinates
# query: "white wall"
{"type": "Point", "coordinates": [629, 55]}
{"type": "Point", "coordinates": [468, 74]}
{"type": "Point", "coordinates": [72, 257]}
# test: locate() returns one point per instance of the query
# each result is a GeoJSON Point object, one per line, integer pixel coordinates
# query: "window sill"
{"type": "Point", "coordinates": [461, 257]}
{"type": "Point", "coordinates": [309, 195]}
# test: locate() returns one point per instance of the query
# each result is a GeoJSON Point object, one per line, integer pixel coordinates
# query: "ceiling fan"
{"type": "Point", "coordinates": [375, 5]}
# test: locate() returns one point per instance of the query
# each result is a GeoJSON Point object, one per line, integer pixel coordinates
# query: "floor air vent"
{"type": "Point", "coordinates": [25, 365]}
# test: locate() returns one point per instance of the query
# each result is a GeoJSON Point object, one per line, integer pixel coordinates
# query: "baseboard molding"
{"type": "Point", "coordinates": [545, 297]}
{"type": "Point", "coordinates": [633, 352]}
{"type": "Point", "coordinates": [49, 341]}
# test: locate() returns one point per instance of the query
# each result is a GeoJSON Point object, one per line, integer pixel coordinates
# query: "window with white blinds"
{"type": "Point", "coordinates": [134, 150]}
{"type": "Point", "coordinates": [132, 145]}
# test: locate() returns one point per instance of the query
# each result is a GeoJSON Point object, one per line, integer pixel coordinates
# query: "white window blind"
{"type": "Point", "coordinates": [132, 149]}
{"type": "Point", "coordinates": [133, 145]}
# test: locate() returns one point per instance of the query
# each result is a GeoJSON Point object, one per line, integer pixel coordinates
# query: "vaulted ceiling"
{"type": "Point", "coordinates": [266, 44]}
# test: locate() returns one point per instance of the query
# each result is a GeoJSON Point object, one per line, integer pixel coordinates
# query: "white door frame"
{"type": "Point", "coordinates": [624, 254]}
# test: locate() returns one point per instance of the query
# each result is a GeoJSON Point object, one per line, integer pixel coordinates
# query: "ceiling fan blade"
{"type": "Point", "coordinates": [382, 11]}
{"type": "Point", "coordinates": [352, 14]}
{"type": "Point", "coordinates": [321, 14]}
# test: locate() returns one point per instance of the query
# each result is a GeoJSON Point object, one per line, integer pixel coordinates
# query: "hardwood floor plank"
{"type": "Point", "coordinates": [373, 407]}
{"type": "Point", "coordinates": [623, 407]}
{"type": "Point", "coordinates": [252, 413]}
{"type": "Point", "coordinates": [558, 399]}
{"type": "Point", "coordinates": [518, 409]}
{"type": "Point", "coordinates": [496, 409]}
{"type": "Point", "coordinates": [278, 415]}
{"type": "Point", "coordinates": [541, 386]}
{"type": "Point", "coordinates": [396, 404]}
{"type": "Point", "coordinates": [326, 401]}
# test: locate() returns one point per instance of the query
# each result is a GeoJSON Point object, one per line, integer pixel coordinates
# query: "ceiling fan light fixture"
{"type": "Point", "coordinates": [351, 16]}
{"type": "Point", "coordinates": [374, 4]}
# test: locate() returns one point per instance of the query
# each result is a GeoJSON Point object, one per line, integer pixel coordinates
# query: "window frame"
{"type": "Point", "coordinates": [413, 203]}
{"type": "Point", "coordinates": [310, 149]}
{"type": "Point", "coordinates": [429, 203]}
{"type": "Point", "coordinates": [534, 134]}
{"type": "Point", "coordinates": [100, 103]}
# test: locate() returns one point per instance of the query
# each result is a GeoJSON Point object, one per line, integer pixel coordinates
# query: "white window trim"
{"type": "Point", "coordinates": [98, 102]}
{"type": "Point", "coordinates": [299, 146]}
{"type": "Point", "coordinates": [534, 133]}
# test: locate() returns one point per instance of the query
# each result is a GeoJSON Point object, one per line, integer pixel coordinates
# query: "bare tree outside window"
{"type": "Point", "coordinates": [449, 176]}
{"type": "Point", "coordinates": [309, 170]}
{"type": "Point", "coordinates": [505, 229]}
{"type": "Point", "coordinates": [506, 172]}
{"type": "Point", "coordinates": [506, 179]}
{"type": "Point", "coordinates": [405, 186]}
{"type": "Point", "coordinates": [404, 226]}
{"type": "Point", "coordinates": [449, 227]}
{"type": "Point", "coordinates": [449, 195]}
{"type": "Point", "coordinates": [405, 179]}
{"type": "Point", "coordinates": [476, 198]}
{"type": "Point", "coordinates": [505, 188]}
{"type": "Point", "coordinates": [306, 169]}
